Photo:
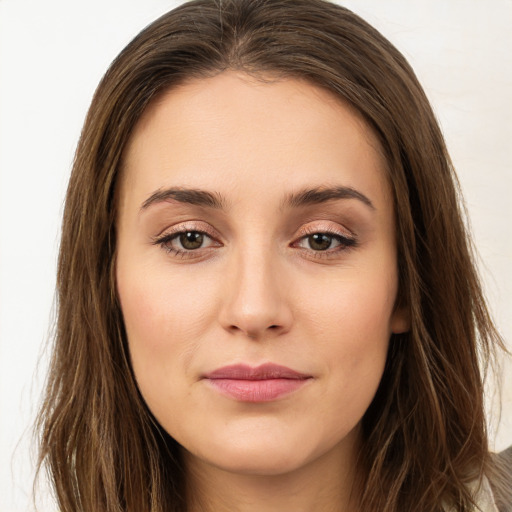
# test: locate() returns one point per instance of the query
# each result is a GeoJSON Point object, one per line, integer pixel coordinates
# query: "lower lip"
{"type": "Point", "coordinates": [257, 390]}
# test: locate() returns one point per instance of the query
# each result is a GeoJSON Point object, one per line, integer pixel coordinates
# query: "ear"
{"type": "Point", "coordinates": [400, 320]}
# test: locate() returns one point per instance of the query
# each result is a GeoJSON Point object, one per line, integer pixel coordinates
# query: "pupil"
{"type": "Point", "coordinates": [191, 240]}
{"type": "Point", "coordinates": [319, 242]}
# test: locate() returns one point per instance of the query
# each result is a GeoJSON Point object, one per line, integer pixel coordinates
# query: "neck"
{"type": "Point", "coordinates": [326, 484]}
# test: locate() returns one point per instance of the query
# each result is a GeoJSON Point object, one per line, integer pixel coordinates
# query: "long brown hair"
{"type": "Point", "coordinates": [424, 433]}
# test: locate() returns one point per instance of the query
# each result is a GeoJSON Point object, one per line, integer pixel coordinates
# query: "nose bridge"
{"type": "Point", "coordinates": [255, 303]}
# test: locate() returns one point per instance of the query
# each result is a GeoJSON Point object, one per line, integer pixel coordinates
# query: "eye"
{"type": "Point", "coordinates": [320, 241]}
{"type": "Point", "coordinates": [326, 242]}
{"type": "Point", "coordinates": [190, 240]}
{"type": "Point", "coordinates": [185, 241]}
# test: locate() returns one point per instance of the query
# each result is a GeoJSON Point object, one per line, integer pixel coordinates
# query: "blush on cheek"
{"type": "Point", "coordinates": [139, 314]}
{"type": "Point", "coordinates": [164, 326]}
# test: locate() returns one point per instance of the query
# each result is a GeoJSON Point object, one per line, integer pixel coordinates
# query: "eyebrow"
{"type": "Point", "coordinates": [323, 194]}
{"type": "Point", "coordinates": [207, 199]}
{"type": "Point", "coordinates": [185, 195]}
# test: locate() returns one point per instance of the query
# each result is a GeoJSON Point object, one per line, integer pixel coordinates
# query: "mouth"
{"type": "Point", "coordinates": [264, 383]}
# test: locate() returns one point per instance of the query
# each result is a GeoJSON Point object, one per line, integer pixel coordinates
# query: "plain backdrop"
{"type": "Point", "coordinates": [52, 55]}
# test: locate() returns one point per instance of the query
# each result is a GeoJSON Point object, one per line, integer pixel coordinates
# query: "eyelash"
{"type": "Point", "coordinates": [166, 239]}
{"type": "Point", "coordinates": [345, 242]}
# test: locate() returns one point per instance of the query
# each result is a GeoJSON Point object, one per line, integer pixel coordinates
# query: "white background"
{"type": "Point", "coordinates": [52, 55]}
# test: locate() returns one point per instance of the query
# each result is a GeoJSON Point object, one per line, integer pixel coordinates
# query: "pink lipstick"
{"type": "Point", "coordinates": [260, 384]}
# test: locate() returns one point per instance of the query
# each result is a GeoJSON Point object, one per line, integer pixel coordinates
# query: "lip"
{"type": "Point", "coordinates": [263, 383]}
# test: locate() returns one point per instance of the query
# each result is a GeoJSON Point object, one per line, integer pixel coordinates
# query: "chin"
{"type": "Point", "coordinates": [267, 452]}
{"type": "Point", "coordinates": [255, 461]}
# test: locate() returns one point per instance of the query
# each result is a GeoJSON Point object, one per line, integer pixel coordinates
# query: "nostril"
{"type": "Point", "coordinates": [253, 334]}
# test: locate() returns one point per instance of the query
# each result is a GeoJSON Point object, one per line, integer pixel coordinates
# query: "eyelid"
{"type": "Point", "coordinates": [327, 227]}
{"type": "Point", "coordinates": [189, 225]}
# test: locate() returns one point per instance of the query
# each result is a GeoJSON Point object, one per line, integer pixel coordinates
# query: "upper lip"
{"type": "Point", "coordinates": [263, 372]}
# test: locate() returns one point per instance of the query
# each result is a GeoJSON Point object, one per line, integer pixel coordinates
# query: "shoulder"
{"type": "Point", "coordinates": [485, 499]}
{"type": "Point", "coordinates": [483, 496]}
{"type": "Point", "coordinates": [506, 458]}
{"type": "Point", "coordinates": [502, 488]}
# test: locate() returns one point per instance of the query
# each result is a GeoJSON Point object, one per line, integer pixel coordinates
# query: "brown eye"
{"type": "Point", "coordinates": [191, 240]}
{"type": "Point", "coordinates": [186, 242]}
{"type": "Point", "coordinates": [320, 241]}
{"type": "Point", "coordinates": [329, 243]}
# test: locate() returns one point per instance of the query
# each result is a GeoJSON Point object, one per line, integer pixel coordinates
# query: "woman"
{"type": "Point", "coordinates": [267, 299]}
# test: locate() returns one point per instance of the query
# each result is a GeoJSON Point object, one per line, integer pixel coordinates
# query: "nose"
{"type": "Point", "coordinates": [255, 303]}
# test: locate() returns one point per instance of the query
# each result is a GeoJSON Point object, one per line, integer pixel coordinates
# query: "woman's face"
{"type": "Point", "coordinates": [256, 271]}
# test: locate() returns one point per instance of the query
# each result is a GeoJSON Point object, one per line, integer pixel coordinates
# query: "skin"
{"type": "Point", "coordinates": [258, 289]}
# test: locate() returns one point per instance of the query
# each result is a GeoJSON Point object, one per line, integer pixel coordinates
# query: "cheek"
{"type": "Point", "coordinates": [351, 327]}
{"type": "Point", "coordinates": [359, 343]}
{"type": "Point", "coordinates": [163, 322]}
{"type": "Point", "coordinates": [158, 321]}
{"type": "Point", "coordinates": [358, 308]}
{"type": "Point", "coordinates": [159, 308]}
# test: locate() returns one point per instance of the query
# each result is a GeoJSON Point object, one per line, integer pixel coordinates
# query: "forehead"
{"type": "Point", "coordinates": [233, 131]}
